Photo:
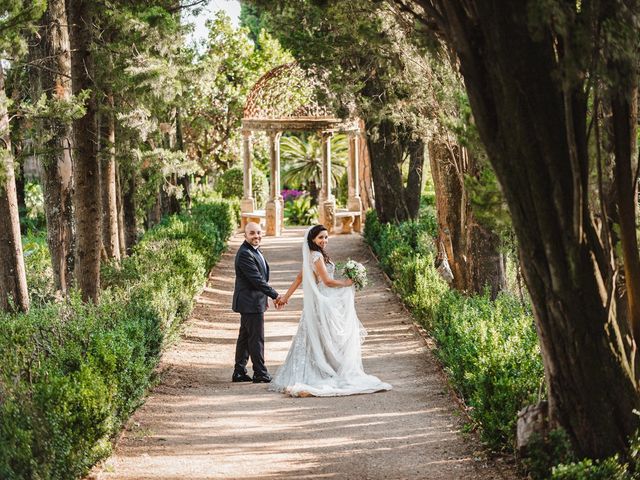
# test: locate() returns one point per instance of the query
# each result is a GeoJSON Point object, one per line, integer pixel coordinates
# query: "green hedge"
{"type": "Point", "coordinates": [72, 373]}
{"type": "Point", "coordinates": [37, 262]}
{"type": "Point", "coordinates": [231, 185]}
{"type": "Point", "coordinates": [489, 348]}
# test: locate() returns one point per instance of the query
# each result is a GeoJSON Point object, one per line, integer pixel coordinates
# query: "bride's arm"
{"type": "Point", "coordinates": [294, 286]}
{"type": "Point", "coordinates": [321, 270]}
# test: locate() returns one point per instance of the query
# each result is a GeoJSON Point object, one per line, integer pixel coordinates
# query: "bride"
{"type": "Point", "coordinates": [324, 359]}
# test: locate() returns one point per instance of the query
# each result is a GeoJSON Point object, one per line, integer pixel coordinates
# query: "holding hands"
{"type": "Point", "coordinates": [281, 301]}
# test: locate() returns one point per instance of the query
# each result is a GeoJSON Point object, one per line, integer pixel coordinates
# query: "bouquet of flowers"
{"type": "Point", "coordinates": [356, 272]}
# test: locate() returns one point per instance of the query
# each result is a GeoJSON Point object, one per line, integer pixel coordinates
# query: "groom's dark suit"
{"type": "Point", "coordinates": [250, 300]}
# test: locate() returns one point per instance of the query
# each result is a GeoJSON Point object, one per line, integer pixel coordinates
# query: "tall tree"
{"type": "Point", "coordinates": [17, 86]}
{"type": "Point", "coordinates": [129, 208]}
{"type": "Point", "coordinates": [122, 242]}
{"type": "Point", "coordinates": [383, 83]}
{"type": "Point", "coordinates": [13, 280]}
{"type": "Point", "coordinates": [51, 77]}
{"type": "Point", "coordinates": [212, 106]}
{"type": "Point", "coordinates": [471, 246]}
{"type": "Point", "coordinates": [108, 169]}
{"type": "Point", "coordinates": [16, 18]}
{"type": "Point", "coordinates": [553, 89]}
{"type": "Point", "coordinates": [87, 194]}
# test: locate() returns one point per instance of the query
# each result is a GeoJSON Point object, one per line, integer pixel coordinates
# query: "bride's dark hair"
{"type": "Point", "coordinates": [313, 246]}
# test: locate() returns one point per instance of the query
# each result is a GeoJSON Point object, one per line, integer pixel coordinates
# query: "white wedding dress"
{"type": "Point", "coordinates": [325, 358]}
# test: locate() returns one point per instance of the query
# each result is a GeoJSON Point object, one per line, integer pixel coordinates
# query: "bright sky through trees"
{"type": "Point", "coordinates": [230, 7]}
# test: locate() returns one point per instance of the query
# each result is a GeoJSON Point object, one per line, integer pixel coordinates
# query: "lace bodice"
{"type": "Point", "coordinates": [331, 268]}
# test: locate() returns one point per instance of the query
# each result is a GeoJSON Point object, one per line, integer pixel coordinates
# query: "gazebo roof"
{"type": "Point", "coordinates": [285, 98]}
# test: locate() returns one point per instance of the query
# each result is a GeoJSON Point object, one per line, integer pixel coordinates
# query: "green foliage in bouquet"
{"type": "Point", "coordinates": [354, 271]}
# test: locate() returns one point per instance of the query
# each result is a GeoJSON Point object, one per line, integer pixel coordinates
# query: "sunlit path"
{"type": "Point", "coordinates": [198, 425]}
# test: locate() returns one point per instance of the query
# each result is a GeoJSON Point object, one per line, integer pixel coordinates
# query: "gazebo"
{"type": "Point", "coordinates": [285, 99]}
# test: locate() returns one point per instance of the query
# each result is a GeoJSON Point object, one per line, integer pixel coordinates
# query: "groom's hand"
{"type": "Point", "coordinates": [279, 302]}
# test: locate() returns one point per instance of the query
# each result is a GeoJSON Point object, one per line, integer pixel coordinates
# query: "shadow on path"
{"type": "Point", "coordinates": [198, 425]}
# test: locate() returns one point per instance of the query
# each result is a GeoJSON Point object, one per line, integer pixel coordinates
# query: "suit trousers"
{"type": "Point", "coordinates": [250, 344]}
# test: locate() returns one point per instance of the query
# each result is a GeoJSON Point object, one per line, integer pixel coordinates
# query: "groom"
{"type": "Point", "coordinates": [250, 300]}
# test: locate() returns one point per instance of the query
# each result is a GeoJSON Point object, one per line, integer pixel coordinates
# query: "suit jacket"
{"type": "Point", "coordinates": [251, 288]}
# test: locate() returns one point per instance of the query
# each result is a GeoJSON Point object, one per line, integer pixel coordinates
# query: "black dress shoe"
{"type": "Point", "coordinates": [241, 377]}
{"type": "Point", "coordinates": [262, 379]}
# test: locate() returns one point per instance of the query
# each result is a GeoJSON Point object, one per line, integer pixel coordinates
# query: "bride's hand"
{"type": "Point", "coordinates": [284, 301]}
{"type": "Point", "coordinates": [348, 282]}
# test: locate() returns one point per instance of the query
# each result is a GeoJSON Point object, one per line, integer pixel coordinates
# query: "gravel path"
{"type": "Point", "coordinates": [198, 425]}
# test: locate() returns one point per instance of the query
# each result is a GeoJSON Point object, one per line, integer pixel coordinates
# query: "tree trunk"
{"type": "Point", "coordinates": [413, 191]}
{"type": "Point", "coordinates": [54, 80]}
{"type": "Point", "coordinates": [108, 167]}
{"type": "Point", "coordinates": [364, 171]}
{"type": "Point", "coordinates": [13, 279]}
{"type": "Point", "coordinates": [154, 214]}
{"type": "Point", "coordinates": [87, 198]}
{"type": "Point", "coordinates": [314, 193]}
{"type": "Point", "coordinates": [386, 157]}
{"type": "Point", "coordinates": [387, 145]}
{"type": "Point", "coordinates": [129, 207]}
{"type": "Point", "coordinates": [185, 180]}
{"type": "Point", "coordinates": [472, 249]}
{"type": "Point", "coordinates": [624, 107]}
{"type": "Point", "coordinates": [533, 122]}
{"type": "Point", "coordinates": [21, 197]}
{"type": "Point", "coordinates": [169, 204]}
{"type": "Point", "coordinates": [485, 263]}
{"type": "Point", "coordinates": [451, 208]}
{"type": "Point", "coordinates": [121, 226]}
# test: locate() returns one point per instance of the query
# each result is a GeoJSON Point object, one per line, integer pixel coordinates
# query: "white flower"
{"type": "Point", "coordinates": [356, 272]}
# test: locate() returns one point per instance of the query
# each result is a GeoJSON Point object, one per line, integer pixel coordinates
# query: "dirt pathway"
{"type": "Point", "coordinates": [198, 425]}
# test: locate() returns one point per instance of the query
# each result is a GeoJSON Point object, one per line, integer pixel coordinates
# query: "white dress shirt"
{"type": "Point", "coordinates": [264, 262]}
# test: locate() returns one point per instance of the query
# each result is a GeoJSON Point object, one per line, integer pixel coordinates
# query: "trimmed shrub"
{"type": "Point", "coordinates": [230, 185]}
{"type": "Point", "coordinates": [489, 348]}
{"type": "Point", "coordinates": [607, 469]}
{"type": "Point", "coordinates": [611, 468]}
{"type": "Point", "coordinates": [72, 373]}
{"type": "Point", "coordinates": [37, 262]}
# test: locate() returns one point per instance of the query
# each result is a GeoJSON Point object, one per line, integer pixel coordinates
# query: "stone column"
{"type": "Point", "coordinates": [275, 203]}
{"type": "Point", "coordinates": [327, 200]}
{"type": "Point", "coordinates": [354, 203]}
{"type": "Point", "coordinates": [279, 197]}
{"type": "Point", "coordinates": [247, 204]}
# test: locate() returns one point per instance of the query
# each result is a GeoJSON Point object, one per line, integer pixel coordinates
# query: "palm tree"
{"type": "Point", "coordinates": [302, 157]}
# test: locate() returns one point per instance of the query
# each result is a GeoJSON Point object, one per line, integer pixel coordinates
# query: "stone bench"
{"type": "Point", "coordinates": [257, 216]}
{"type": "Point", "coordinates": [350, 221]}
